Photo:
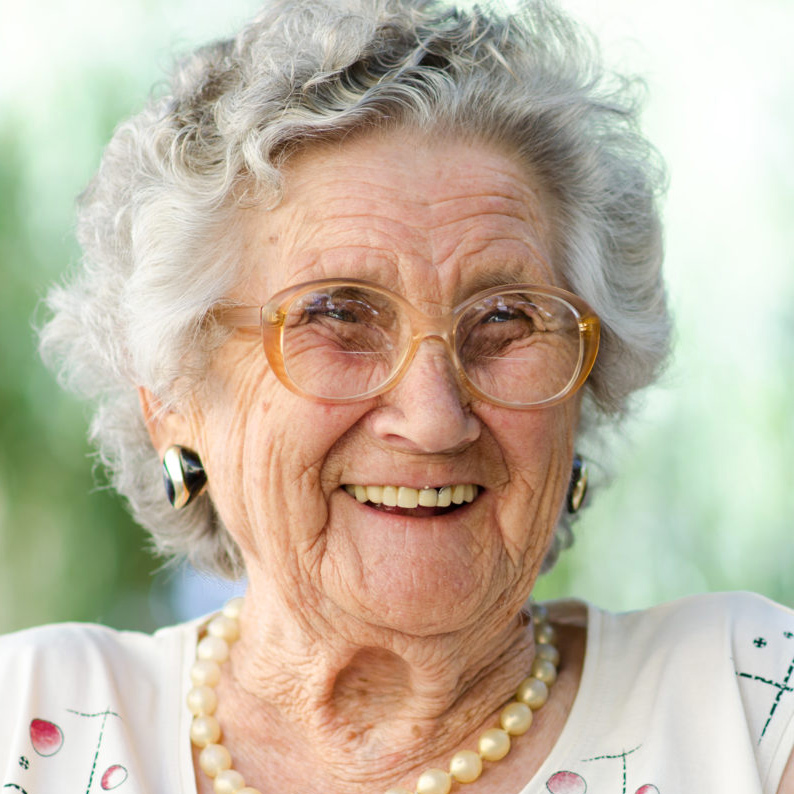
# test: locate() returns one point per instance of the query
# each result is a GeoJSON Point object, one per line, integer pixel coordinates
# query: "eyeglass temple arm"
{"type": "Point", "coordinates": [240, 316]}
{"type": "Point", "coordinates": [590, 330]}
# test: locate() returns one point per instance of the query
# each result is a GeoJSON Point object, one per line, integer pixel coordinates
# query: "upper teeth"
{"type": "Point", "coordinates": [402, 496]}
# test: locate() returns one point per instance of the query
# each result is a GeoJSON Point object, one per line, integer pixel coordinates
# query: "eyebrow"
{"type": "Point", "coordinates": [513, 273]}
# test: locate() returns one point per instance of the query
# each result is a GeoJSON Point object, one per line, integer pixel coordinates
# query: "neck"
{"type": "Point", "coordinates": [362, 703]}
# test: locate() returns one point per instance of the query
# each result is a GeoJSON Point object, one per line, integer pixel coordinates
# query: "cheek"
{"type": "Point", "coordinates": [538, 449]}
{"type": "Point", "coordinates": [269, 453]}
{"type": "Point", "coordinates": [535, 442]}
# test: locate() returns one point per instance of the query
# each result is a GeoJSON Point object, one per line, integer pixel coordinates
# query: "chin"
{"type": "Point", "coordinates": [424, 599]}
{"type": "Point", "coordinates": [420, 575]}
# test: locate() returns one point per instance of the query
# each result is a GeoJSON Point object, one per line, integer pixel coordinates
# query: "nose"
{"type": "Point", "coordinates": [428, 410]}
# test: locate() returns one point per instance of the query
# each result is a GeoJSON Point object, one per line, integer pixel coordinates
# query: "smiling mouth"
{"type": "Point", "coordinates": [419, 503]}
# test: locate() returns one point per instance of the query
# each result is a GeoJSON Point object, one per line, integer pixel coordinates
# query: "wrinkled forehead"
{"type": "Point", "coordinates": [434, 220]}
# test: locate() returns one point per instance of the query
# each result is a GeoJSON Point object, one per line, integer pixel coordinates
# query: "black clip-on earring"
{"type": "Point", "coordinates": [183, 475]}
{"type": "Point", "coordinates": [577, 489]}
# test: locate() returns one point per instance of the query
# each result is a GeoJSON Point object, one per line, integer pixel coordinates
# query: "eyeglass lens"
{"type": "Point", "coordinates": [518, 347]}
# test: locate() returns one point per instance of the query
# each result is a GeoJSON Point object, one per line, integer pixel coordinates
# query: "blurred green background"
{"type": "Point", "coordinates": [702, 492]}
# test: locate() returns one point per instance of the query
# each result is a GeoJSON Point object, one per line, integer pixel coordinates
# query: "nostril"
{"type": "Point", "coordinates": [428, 411]}
{"type": "Point", "coordinates": [426, 430]}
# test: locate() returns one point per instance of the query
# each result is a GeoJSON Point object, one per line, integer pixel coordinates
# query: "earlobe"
{"type": "Point", "coordinates": [183, 473]}
{"type": "Point", "coordinates": [166, 426]}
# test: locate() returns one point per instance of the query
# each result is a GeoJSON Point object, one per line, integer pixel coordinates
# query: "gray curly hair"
{"type": "Point", "coordinates": [158, 222]}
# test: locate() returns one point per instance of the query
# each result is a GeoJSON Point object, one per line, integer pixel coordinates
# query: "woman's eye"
{"type": "Point", "coordinates": [341, 311]}
{"type": "Point", "coordinates": [504, 316]}
{"type": "Point", "coordinates": [524, 317]}
{"type": "Point", "coordinates": [334, 313]}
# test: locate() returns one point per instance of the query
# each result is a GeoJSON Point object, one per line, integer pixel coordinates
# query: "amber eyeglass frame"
{"type": "Point", "coordinates": [271, 316]}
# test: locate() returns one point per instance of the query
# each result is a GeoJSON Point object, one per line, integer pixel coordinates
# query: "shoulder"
{"type": "Point", "coordinates": [700, 620]}
{"type": "Point", "coordinates": [73, 690]}
{"type": "Point", "coordinates": [732, 625]}
{"type": "Point", "coordinates": [75, 647]}
{"type": "Point", "coordinates": [718, 667]}
{"type": "Point", "coordinates": [733, 641]}
{"type": "Point", "coordinates": [90, 663]}
{"type": "Point", "coordinates": [693, 695]}
{"type": "Point", "coordinates": [732, 607]}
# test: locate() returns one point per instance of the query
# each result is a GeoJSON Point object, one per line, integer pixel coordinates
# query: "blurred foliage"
{"type": "Point", "coordinates": [702, 499]}
{"type": "Point", "coordinates": [68, 548]}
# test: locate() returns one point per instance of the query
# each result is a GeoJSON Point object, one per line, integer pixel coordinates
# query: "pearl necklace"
{"type": "Point", "coordinates": [466, 765]}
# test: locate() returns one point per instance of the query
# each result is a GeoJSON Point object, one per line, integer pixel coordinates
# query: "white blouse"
{"type": "Point", "coordinates": [688, 697]}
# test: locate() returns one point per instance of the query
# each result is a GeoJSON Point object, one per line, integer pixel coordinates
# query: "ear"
{"type": "Point", "coordinates": [166, 426]}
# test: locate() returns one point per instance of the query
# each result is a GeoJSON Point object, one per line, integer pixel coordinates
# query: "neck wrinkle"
{"type": "Point", "coordinates": [357, 714]}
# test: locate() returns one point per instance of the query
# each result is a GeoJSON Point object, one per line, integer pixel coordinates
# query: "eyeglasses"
{"type": "Point", "coordinates": [339, 341]}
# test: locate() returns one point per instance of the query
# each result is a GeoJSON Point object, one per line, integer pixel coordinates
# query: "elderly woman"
{"type": "Point", "coordinates": [357, 286]}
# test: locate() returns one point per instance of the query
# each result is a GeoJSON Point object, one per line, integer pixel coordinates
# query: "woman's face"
{"type": "Point", "coordinates": [434, 221]}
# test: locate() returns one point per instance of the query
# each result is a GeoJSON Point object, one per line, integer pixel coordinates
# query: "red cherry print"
{"type": "Point", "coordinates": [114, 776]}
{"type": "Point", "coordinates": [46, 737]}
{"type": "Point", "coordinates": [566, 783]}
{"type": "Point", "coordinates": [647, 789]}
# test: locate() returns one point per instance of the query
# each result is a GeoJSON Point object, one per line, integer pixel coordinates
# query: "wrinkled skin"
{"type": "Point", "coordinates": [379, 639]}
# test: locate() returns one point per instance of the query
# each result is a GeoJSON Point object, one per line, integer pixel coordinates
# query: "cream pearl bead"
{"type": "Point", "coordinates": [547, 652]}
{"type": "Point", "coordinates": [516, 718]}
{"type": "Point", "coordinates": [204, 730]}
{"type": "Point", "coordinates": [214, 758]}
{"type": "Point", "coordinates": [202, 700]}
{"type": "Point", "coordinates": [228, 781]}
{"type": "Point", "coordinates": [544, 671]}
{"type": "Point", "coordinates": [205, 672]}
{"type": "Point", "coordinates": [213, 648]}
{"type": "Point", "coordinates": [226, 628]}
{"type": "Point", "coordinates": [434, 781]}
{"type": "Point", "coordinates": [494, 744]}
{"type": "Point", "coordinates": [533, 692]}
{"type": "Point", "coordinates": [545, 634]}
{"type": "Point", "coordinates": [465, 766]}
{"type": "Point", "coordinates": [233, 608]}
